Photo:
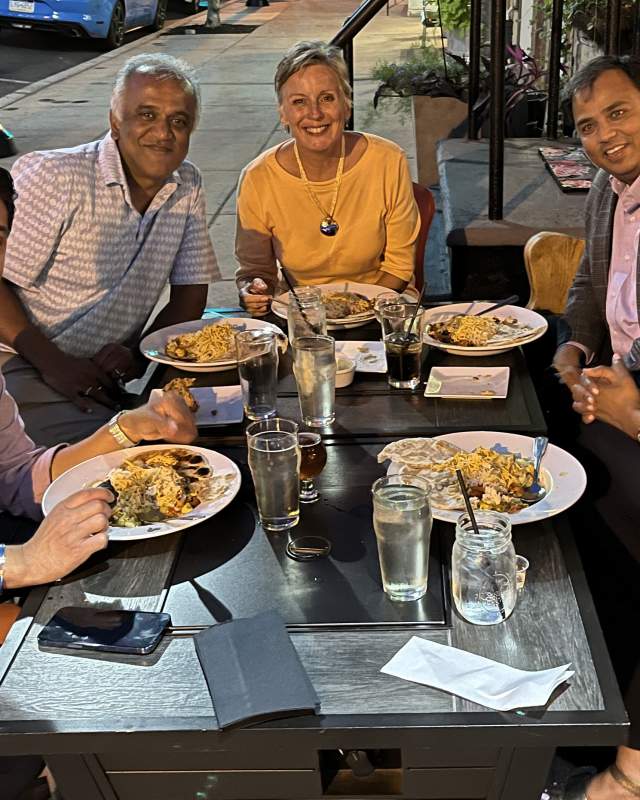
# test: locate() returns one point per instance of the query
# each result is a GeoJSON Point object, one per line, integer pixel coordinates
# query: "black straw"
{"type": "Point", "coordinates": [508, 301]}
{"type": "Point", "coordinates": [476, 530]}
{"type": "Point", "coordinates": [415, 313]}
{"type": "Point", "coordinates": [312, 328]}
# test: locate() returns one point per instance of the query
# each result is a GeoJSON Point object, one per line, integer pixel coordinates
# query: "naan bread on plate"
{"type": "Point", "coordinates": [417, 453]}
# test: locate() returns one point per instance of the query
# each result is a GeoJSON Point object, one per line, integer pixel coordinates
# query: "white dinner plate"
{"type": "Point", "coordinates": [153, 345]}
{"type": "Point", "coordinates": [561, 474]}
{"type": "Point", "coordinates": [468, 383]}
{"type": "Point", "coordinates": [369, 290]}
{"type": "Point", "coordinates": [525, 316]}
{"type": "Point", "coordinates": [368, 356]}
{"type": "Point", "coordinates": [96, 469]}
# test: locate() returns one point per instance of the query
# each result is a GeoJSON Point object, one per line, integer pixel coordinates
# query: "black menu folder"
{"type": "Point", "coordinates": [253, 671]}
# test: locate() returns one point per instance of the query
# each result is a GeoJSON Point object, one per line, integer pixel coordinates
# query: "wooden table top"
{"type": "Point", "coordinates": [227, 567]}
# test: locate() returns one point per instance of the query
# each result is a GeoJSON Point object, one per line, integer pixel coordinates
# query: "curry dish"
{"type": "Point", "coordinates": [340, 305]}
{"type": "Point", "coordinates": [162, 484]}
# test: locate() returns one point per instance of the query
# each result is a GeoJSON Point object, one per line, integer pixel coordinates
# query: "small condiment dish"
{"type": "Point", "coordinates": [345, 370]}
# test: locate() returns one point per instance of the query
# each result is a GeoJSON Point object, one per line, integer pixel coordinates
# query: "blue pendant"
{"type": "Point", "coordinates": [329, 227]}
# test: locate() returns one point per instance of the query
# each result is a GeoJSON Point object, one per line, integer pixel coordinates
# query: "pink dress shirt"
{"type": "Point", "coordinates": [25, 470]}
{"type": "Point", "coordinates": [622, 303]}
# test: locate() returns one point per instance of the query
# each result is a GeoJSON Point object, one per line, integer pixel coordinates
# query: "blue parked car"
{"type": "Point", "coordinates": [103, 20]}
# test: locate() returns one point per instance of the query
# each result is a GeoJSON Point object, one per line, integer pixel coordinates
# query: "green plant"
{"type": "Point", "coordinates": [455, 14]}
{"type": "Point", "coordinates": [423, 73]}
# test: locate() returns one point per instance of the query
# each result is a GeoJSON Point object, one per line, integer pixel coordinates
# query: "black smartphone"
{"type": "Point", "coordinates": [105, 630]}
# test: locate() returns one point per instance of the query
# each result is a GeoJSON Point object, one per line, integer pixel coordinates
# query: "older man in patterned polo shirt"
{"type": "Point", "coordinates": [99, 230]}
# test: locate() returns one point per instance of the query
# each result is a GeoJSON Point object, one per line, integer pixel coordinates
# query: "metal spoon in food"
{"type": "Point", "coordinates": [536, 492]}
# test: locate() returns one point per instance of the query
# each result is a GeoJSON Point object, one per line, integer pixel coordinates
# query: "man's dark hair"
{"type": "Point", "coordinates": [587, 76]}
{"type": "Point", "coordinates": [7, 193]}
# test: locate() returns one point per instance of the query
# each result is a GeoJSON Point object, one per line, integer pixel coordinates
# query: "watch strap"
{"type": "Point", "coordinates": [118, 434]}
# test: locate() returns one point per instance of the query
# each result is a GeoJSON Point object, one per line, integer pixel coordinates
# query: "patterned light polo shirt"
{"type": "Point", "coordinates": [86, 265]}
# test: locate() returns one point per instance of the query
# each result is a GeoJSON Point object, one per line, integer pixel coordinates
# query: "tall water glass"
{"type": "Point", "coordinates": [402, 349]}
{"type": "Point", "coordinates": [307, 317]}
{"type": "Point", "coordinates": [402, 521]}
{"type": "Point", "coordinates": [483, 568]}
{"type": "Point", "coordinates": [314, 367]}
{"type": "Point", "coordinates": [274, 461]}
{"type": "Point", "coordinates": [257, 352]}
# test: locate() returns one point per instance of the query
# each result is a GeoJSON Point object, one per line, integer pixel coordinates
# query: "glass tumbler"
{"type": "Point", "coordinates": [483, 568]}
{"type": "Point", "coordinates": [314, 367]}
{"type": "Point", "coordinates": [257, 352]}
{"type": "Point", "coordinates": [274, 461]}
{"type": "Point", "coordinates": [307, 317]}
{"type": "Point", "coordinates": [402, 521]}
{"type": "Point", "coordinates": [402, 349]}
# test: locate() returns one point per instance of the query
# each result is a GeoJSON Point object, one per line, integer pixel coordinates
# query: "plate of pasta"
{"type": "Point", "coordinates": [202, 345]}
{"type": "Point", "coordinates": [457, 328]}
{"type": "Point", "coordinates": [158, 489]}
{"type": "Point", "coordinates": [496, 467]}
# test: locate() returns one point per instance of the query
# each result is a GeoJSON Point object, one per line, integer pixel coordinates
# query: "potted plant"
{"type": "Point", "coordinates": [437, 85]}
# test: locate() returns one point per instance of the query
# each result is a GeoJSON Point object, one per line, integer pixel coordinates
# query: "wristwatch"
{"type": "Point", "coordinates": [118, 434]}
{"type": "Point", "coordinates": [3, 560]}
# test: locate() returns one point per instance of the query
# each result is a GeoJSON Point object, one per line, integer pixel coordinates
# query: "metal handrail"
{"type": "Point", "coordinates": [351, 27]}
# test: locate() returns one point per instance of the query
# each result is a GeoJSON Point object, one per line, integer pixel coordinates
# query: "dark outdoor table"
{"type": "Point", "coordinates": [370, 407]}
{"type": "Point", "coordinates": [125, 728]}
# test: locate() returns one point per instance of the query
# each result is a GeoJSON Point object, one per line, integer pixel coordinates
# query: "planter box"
{"type": "Point", "coordinates": [435, 118]}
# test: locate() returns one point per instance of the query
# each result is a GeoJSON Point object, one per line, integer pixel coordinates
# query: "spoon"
{"type": "Point", "coordinates": [536, 492]}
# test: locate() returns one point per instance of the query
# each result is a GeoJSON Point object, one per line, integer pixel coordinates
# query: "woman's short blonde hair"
{"type": "Point", "coordinates": [305, 54]}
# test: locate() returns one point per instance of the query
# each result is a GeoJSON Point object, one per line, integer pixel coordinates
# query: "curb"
{"type": "Point", "coordinates": [44, 83]}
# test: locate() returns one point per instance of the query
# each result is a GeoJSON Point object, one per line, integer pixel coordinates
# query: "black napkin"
{"type": "Point", "coordinates": [253, 670]}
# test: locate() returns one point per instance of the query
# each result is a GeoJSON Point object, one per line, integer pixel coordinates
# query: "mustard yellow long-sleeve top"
{"type": "Point", "coordinates": [277, 221]}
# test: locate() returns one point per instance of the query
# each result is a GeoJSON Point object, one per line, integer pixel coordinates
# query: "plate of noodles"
{"type": "Point", "coordinates": [496, 467]}
{"type": "Point", "coordinates": [457, 329]}
{"type": "Point", "coordinates": [347, 304]}
{"type": "Point", "coordinates": [159, 488]}
{"type": "Point", "coordinates": [202, 345]}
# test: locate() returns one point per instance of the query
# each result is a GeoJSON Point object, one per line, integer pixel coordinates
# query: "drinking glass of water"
{"type": "Point", "coordinates": [274, 461]}
{"type": "Point", "coordinates": [313, 457]}
{"type": "Point", "coordinates": [402, 522]}
{"type": "Point", "coordinates": [314, 367]}
{"type": "Point", "coordinates": [402, 349]}
{"type": "Point", "coordinates": [257, 352]}
{"type": "Point", "coordinates": [307, 316]}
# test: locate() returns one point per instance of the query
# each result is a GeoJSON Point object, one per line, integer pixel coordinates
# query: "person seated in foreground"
{"type": "Point", "coordinates": [602, 318]}
{"type": "Point", "coordinates": [77, 527]}
{"type": "Point", "coordinates": [328, 205]}
{"type": "Point", "coordinates": [99, 231]}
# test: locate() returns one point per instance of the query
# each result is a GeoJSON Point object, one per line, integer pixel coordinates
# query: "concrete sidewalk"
{"type": "Point", "coordinates": [239, 115]}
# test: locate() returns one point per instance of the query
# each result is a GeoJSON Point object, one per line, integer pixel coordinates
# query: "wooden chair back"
{"type": "Point", "coordinates": [9, 613]}
{"type": "Point", "coordinates": [551, 260]}
{"type": "Point", "coordinates": [426, 207]}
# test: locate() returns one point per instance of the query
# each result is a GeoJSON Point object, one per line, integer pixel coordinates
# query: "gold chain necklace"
{"type": "Point", "coordinates": [328, 226]}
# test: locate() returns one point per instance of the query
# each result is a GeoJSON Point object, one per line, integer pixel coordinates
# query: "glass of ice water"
{"type": "Point", "coordinates": [402, 522]}
{"type": "Point", "coordinates": [307, 316]}
{"type": "Point", "coordinates": [274, 461]}
{"type": "Point", "coordinates": [257, 352]}
{"type": "Point", "coordinates": [314, 367]}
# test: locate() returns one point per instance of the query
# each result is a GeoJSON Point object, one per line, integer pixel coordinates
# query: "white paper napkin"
{"type": "Point", "coordinates": [473, 677]}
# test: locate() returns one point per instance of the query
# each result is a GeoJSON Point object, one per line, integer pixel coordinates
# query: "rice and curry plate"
{"type": "Point", "coordinates": [495, 480]}
{"type": "Point", "coordinates": [162, 484]}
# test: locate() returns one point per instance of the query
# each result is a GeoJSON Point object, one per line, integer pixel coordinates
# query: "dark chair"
{"type": "Point", "coordinates": [427, 208]}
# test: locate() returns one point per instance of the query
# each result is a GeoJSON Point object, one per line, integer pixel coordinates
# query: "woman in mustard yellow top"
{"type": "Point", "coordinates": [328, 204]}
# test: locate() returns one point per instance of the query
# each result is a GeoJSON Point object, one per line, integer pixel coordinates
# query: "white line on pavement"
{"type": "Point", "coordinates": [11, 80]}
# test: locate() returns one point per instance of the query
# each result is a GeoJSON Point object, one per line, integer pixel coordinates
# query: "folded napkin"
{"type": "Point", "coordinates": [253, 670]}
{"type": "Point", "coordinates": [225, 401]}
{"type": "Point", "coordinates": [473, 677]}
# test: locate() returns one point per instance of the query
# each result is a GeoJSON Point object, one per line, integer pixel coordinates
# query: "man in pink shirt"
{"type": "Point", "coordinates": [602, 318]}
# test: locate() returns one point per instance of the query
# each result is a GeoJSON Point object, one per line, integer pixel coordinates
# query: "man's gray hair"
{"type": "Point", "coordinates": [161, 67]}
